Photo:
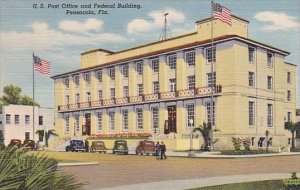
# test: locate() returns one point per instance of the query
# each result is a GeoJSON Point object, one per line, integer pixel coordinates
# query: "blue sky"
{"type": "Point", "coordinates": [60, 38]}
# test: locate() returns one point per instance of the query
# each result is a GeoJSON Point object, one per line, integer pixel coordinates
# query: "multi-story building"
{"type": "Point", "coordinates": [165, 87]}
{"type": "Point", "coordinates": [16, 122]}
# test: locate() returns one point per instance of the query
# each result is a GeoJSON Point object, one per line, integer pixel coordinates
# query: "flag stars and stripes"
{"type": "Point", "coordinates": [41, 65]}
{"type": "Point", "coordinates": [222, 13]}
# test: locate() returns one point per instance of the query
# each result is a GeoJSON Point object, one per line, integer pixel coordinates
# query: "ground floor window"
{"type": "Point", "coordinates": [111, 115]}
{"type": "Point", "coordinates": [125, 120]}
{"type": "Point", "coordinates": [270, 115]}
{"type": "Point", "coordinates": [139, 116]}
{"type": "Point", "coordinates": [27, 135]}
{"type": "Point", "coordinates": [67, 124]}
{"type": "Point", "coordinates": [155, 117]}
{"type": "Point", "coordinates": [210, 115]}
{"type": "Point", "coordinates": [99, 121]}
{"type": "Point", "coordinates": [190, 110]}
{"type": "Point", "coordinates": [77, 123]}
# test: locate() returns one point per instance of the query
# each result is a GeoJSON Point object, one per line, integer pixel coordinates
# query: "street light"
{"type": "Point", "coordinates": [191, 153]}
{"type": "Point", "coordinates": [267, 141]}
{"type": "Point", "coordinates": [74, 129]}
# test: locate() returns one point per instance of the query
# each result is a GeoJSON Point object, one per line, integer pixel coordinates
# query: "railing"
{"type": "Point", "coordinates": [197, 92]}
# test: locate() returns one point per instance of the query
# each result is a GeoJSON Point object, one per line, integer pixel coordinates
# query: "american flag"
{"type": "Point", "coordinates": [41, 66]}
{"type": "Point", "coordinates": [222, 13]}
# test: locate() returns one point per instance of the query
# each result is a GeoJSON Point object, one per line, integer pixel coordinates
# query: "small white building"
{"type": "Point", "coordinates": [16, 122]}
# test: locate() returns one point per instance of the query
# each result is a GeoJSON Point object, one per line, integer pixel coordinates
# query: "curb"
{"type": "Point", "coordinates": [77, 163]}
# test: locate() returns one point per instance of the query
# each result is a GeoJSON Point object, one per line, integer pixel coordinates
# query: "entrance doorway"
{"type": "Point", "coordinates": [170, 124]}
{"type": "Point", "coordinates": [86, 129]}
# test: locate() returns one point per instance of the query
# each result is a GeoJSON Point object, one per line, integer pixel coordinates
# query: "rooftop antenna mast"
{"type": "Point", "coordinates": [165, 28]}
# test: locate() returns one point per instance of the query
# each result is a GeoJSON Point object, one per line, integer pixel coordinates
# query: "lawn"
{"type": "Point", "coordinates": [244, 152]}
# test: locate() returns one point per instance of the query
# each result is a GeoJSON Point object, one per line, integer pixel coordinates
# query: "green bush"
{"type": "Point", "coordinates": [237, 143]}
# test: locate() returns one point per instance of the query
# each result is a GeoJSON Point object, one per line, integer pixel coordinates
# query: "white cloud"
{"type": "Point", "coordinates": [157, 18]}
{"type": "Point", "coordinates": [81, 27]}
{"type": "Point", "coordinates": [277, 21]}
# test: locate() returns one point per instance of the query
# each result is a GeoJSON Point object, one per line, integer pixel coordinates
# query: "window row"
{"type": "Point", "coordinates": [252, 57]}
{"type": "Point", "coordinates": [251, 114]}
{"type": "Point", "coordinates": [8, 119]}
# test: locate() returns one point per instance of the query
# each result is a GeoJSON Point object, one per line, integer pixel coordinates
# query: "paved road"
{"type": "Point", "coordinates": [121, 170]}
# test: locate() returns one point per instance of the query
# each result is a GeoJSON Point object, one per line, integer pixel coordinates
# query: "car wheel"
{"type": "Point", "coordinates": [126, 153]}
{"type": "Point", "coordinates": [104, 152]}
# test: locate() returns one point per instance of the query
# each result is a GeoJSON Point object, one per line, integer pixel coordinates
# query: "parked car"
{"type": "Point", "coordinates": [15, 142]}
{"type": "Point", "coordinates": [75, 145]}
{"type": "Point", "coordinates": [120, 147]}
{"type": "Point", "coordinates": [145, 147]}
{"type": "Point", "coordinates": [29, 144]}
{"type": "Point", "coordinates": [98, 146]}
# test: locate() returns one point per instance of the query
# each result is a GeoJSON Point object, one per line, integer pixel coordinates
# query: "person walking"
{"type": "Point", "coordinates": [163, 151]}
{"type": "Point", "coordinates": [86, 144]}
{"type": "Point", "coordinates": [157, 150]}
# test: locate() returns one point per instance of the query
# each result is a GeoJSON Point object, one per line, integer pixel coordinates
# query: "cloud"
{"type": "Point", "coordinates": [277, 21]}
{"type": "Point", "coordinates": [157, 18]}
{"type": "Point", "coordinates": [81, 27]}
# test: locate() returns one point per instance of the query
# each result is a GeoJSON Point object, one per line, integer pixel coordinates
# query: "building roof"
{"type": "Point", "coordinates": [99, 49]}
{"type": "Point", "coordinates": [290, 64]}
{"type": "Point", "coordinates": [184, 46]}
{"type": "Point", "coordinates": [209, 18]}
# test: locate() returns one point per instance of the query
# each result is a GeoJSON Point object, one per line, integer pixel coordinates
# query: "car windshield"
{"type": "Point", "coordinates": [121, 142]}
{"type": "Point", "coordinates": [80, 143]}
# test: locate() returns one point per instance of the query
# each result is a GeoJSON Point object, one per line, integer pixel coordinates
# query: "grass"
{"type": "Point", "coordinates": [244, 152]}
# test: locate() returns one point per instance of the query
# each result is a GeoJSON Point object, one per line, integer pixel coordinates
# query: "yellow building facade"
{"type": "Point", "coordinates": [164, 88]}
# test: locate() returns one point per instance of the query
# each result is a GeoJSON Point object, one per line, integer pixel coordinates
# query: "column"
{"type": "Point", "coordinates": [200, 68]}
{"type": "Point", "coordinates": [106, 84]}
{"type": "Point", "coordinates": [132, 83]}
{"type": "Point", "coordinates": [163, 75]}
{"type": "Point", "coordinates": [147, 77]}
{"type": "Point", "coordinates": [131, 119]}
{"type": "Point", "coordinates": [118, 120]}
{"type": "Point", "coordinates": [180, 118]}
{"type": "Point", "coordinates": [163, 115]}
{"type": "Point", "coordinates": [147, 120]}
{"type": "Point", "coordinates": [181, 77]}
{"type": "Point", "coordinates": [118, 82]}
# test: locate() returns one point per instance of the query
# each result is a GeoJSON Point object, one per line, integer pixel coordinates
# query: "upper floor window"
{"type": "Point", "coordinates": [190, 58]}
{"type": "Point", "coordinates": [270, 83]}
{"type": "Point", "coordinates": [172, 85]}
{"type": "Point", "coordinates": [41, 120]}
{"type": "Point", "coordinates": [251, 112]}
{"type": "Point", "coordinates": [67, 82]}
{"type": "Point", "coordinates": [112, 73]}
{"type": "Point", "coordinates": [172, 59]}
{"type": "Point", "coordinates": [77, 98]}
{"type": "Point", "coordinates": [87, 78]}
{"type": "Point", "coordinates": [155, 65]}
{"type": "Point", "coordinates": [99, 75]}
{"type": "Point", "coordinates": [211, 81]}
{"type": "Point", "coordinates": [270, 115]}
{"type": "Point", "coordinates": [76, 80]}
{"type": "Point", "coordinates": [288, 77]}
{"type": "Point", "coordinates": [125, 91]}
{"type": "Point", "coordinates": [270, 59]}
{"type": "Point", "coordinates": [8, 119]}
{"type": "Point", "coordinates": [125, 120]}
{"type": "Point", "coordinates": [251, 79]}
{"type": "Point", "coordinates": [27, 119]}
{"type": "Point", "coordinates": [191, 82]}
{"type": "Point", "coordinates": [140, 89]}
{"type": "Point", "coordinates": [125, 70]}
{"type": "Point", "coordinates": [17, 119]}
{"type": "Point", "coordinates": [155, 87]}
{"type": "Point", "coordinates": [251, 51]}
{"type": "Point", "coordinates": [112, 93]}
{"type": "Point", "coordinates": [190, 109]}
{"type": "Point", "coordinates": [139, 67]}
{"type": "Point", "coordinates": [211, 55]}
{"type": "Point", "coordinates": [67, 99]}
{"type": "Point", "coordinates": [88, 97]}
{"type": "Point", "coordinates": [289, 95]}
{"type": "Point", "coordinates": [100, 95]}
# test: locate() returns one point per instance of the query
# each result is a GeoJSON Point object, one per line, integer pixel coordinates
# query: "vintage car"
{"type": "Point", "coordinates": [76, 145]}
{"type": "Point", "coordinates": [120, 147]}
{"type": "Point", "coordinates": [145, 147]}
{"type": "Point", "coordinates": [29, 144]}
{"type": "Point", "coordinates": [15, 142]}
{"type": "Point", "coordinates": [98, 146]}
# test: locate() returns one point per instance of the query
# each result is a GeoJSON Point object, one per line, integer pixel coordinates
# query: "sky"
{"type": "Point", "coordinates": [58, 36]}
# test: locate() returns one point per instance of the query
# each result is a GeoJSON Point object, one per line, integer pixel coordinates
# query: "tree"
{"type": "Point", "coordinates": [26, 100]}
{"type": "Point", "coordinates": [48, 134]}
{"type": "Point", "coordinates": [292, 127]}
{"type": "Point", "coordinates": [206, 132]}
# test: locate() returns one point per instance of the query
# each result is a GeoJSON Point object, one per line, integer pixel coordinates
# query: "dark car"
{"type": "Point", "coordinates": [15, 142]}
{"type": "Point", "coordinates": [29, 144]}
{"type": "Point", "coordinates": [98, 146]}
{"type": "Point", "coordinates": [75, 145]}
{"type": "Point", "coordinates": [120, 147]}
{"type": "Point", "coordinates": [145, 147]}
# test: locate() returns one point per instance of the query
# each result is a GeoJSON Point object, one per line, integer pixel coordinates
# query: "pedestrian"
{"type": "Point", "coordinates": [86, 145]}
{"type": "Point", "coordinates": [163, 151]}
{"type": "Point", "coordinates": [157, 150]}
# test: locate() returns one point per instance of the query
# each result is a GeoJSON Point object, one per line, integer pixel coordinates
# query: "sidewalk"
{"type": "Point", "coordinates": [203, 182]}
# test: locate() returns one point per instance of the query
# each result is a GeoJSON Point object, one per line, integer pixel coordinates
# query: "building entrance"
{"type": "Point", "coordinates": [170, 125]}
{"type": "Point", "coordinates": [86, 129]}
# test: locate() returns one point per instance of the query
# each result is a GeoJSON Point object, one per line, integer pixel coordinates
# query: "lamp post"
{"type": "Point", "coordinates": [267, 141]}
{"type": "Point", "coordinates": [191, 153]}
{"type": "Point", "coordinates": [74, 129]}
{"type": "Point", "coordinates": [155, 128]}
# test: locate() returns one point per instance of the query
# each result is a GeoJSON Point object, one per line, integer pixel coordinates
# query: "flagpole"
{"type": "Point", "coordinates": [211, 73]}
{"type": "Point", "coordinates": [33, 126]}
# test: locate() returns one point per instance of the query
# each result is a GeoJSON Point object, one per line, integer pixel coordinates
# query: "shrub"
{"type": "Point", "coordinates": [247, 143]}
{"type": "Point", "coordinates": [237, 143]}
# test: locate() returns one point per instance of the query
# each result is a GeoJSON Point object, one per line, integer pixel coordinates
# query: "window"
{"type": "Point", "coordinates": [208, 112]}
{"type": "Point", "coordinates": [77, 98]}
{"type": "Point", "coordinates": [125, 120]}
{"type": "Point", "coordinates": [17, 119]}
{"type": "Point", "coordinates": [125, 70]}
{"type": "Point", "coordinates": [288, 77]}
{"type": "Point", "coordinates": [155, 87]}
{"type": "Point", "coordinates": [270, 115]}
{"type": "Point", "coordinates": [190, 110]}
{"type": "Point", "coordinates": [41, 136]}
{"type": "Point", "coordinates": [270, 59]}
{"type": "Point", "coordinates": [289, 95]}
{"type": "Point", "coordinates": [251, 111]}
{"type": "Point", "coordinates": [76, 80]}
{"type": "Point", "coordinates": [211, 55]}
{"type": "Point", "coordinates": [190, 58]}
{"type": "Point", "coordinates": [209, 81]}
{"type": "Point", "coordinates": [289, 116]}
{"type": "Point", "coordinates": [88, 97]}
{"type": "Point", "coordinates": [27, 119]}
{"type": "Point", "coordinates": [172, 59]}
{"type": "Point", "coordinates": [67, 124]}
{"type": "Point", "coordinates": [270, 83]}
{"type": "Point", "coordinates": [76, 123]}
{"type": "Point", "coordinates": [87, 78]}
{"type": "Point", "coordinates": [99, 121]}
{"type": "Point", "coordinates": [112, 93]}
{"type": "Point", "coordinates": [251, 79]}
{"type": "Point", "coordinates": [155, 65]}
{"type": "Point", "coordinates": [191, 82]}
{"type": "Point", "coordinates": [139, 68]}
{"type": "Point", "coordinates": [111, 115]}
{"type": "Point", "coordinates": [100, 95]}
{"type": "Point", "coordinates": [67, 99]}
{"type": "Point", "coordinates": [99, 75]}
{"type": "Point", "coordinates": [41, 120]}
{"type": "Point", "coordinates": [139, 116]}
{"type": "Point", "coordinates": [27, 135]}
{"type": "Point", "coordinates": [251, 54]}
{"type": "Point", "coordinates": [112, 73]}
{"type": "Point", "coordinates": [67, 82]}
{"type": "Point", "coordinates": [125, 91]}
{"type": "Point", "coordinates": [140, 89]}
{"type": "Point", "coordinates": [155, 116]}
{"type": "Point", "coordinates": [172, 85]}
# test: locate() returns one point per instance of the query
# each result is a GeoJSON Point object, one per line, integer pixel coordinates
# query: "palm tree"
{"type": "Point", "coordinates": [292, 127]}
{"type": "Point", "coordinates": [48, 134]}
{"type": "Point", "coordinates": [206, 132]}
